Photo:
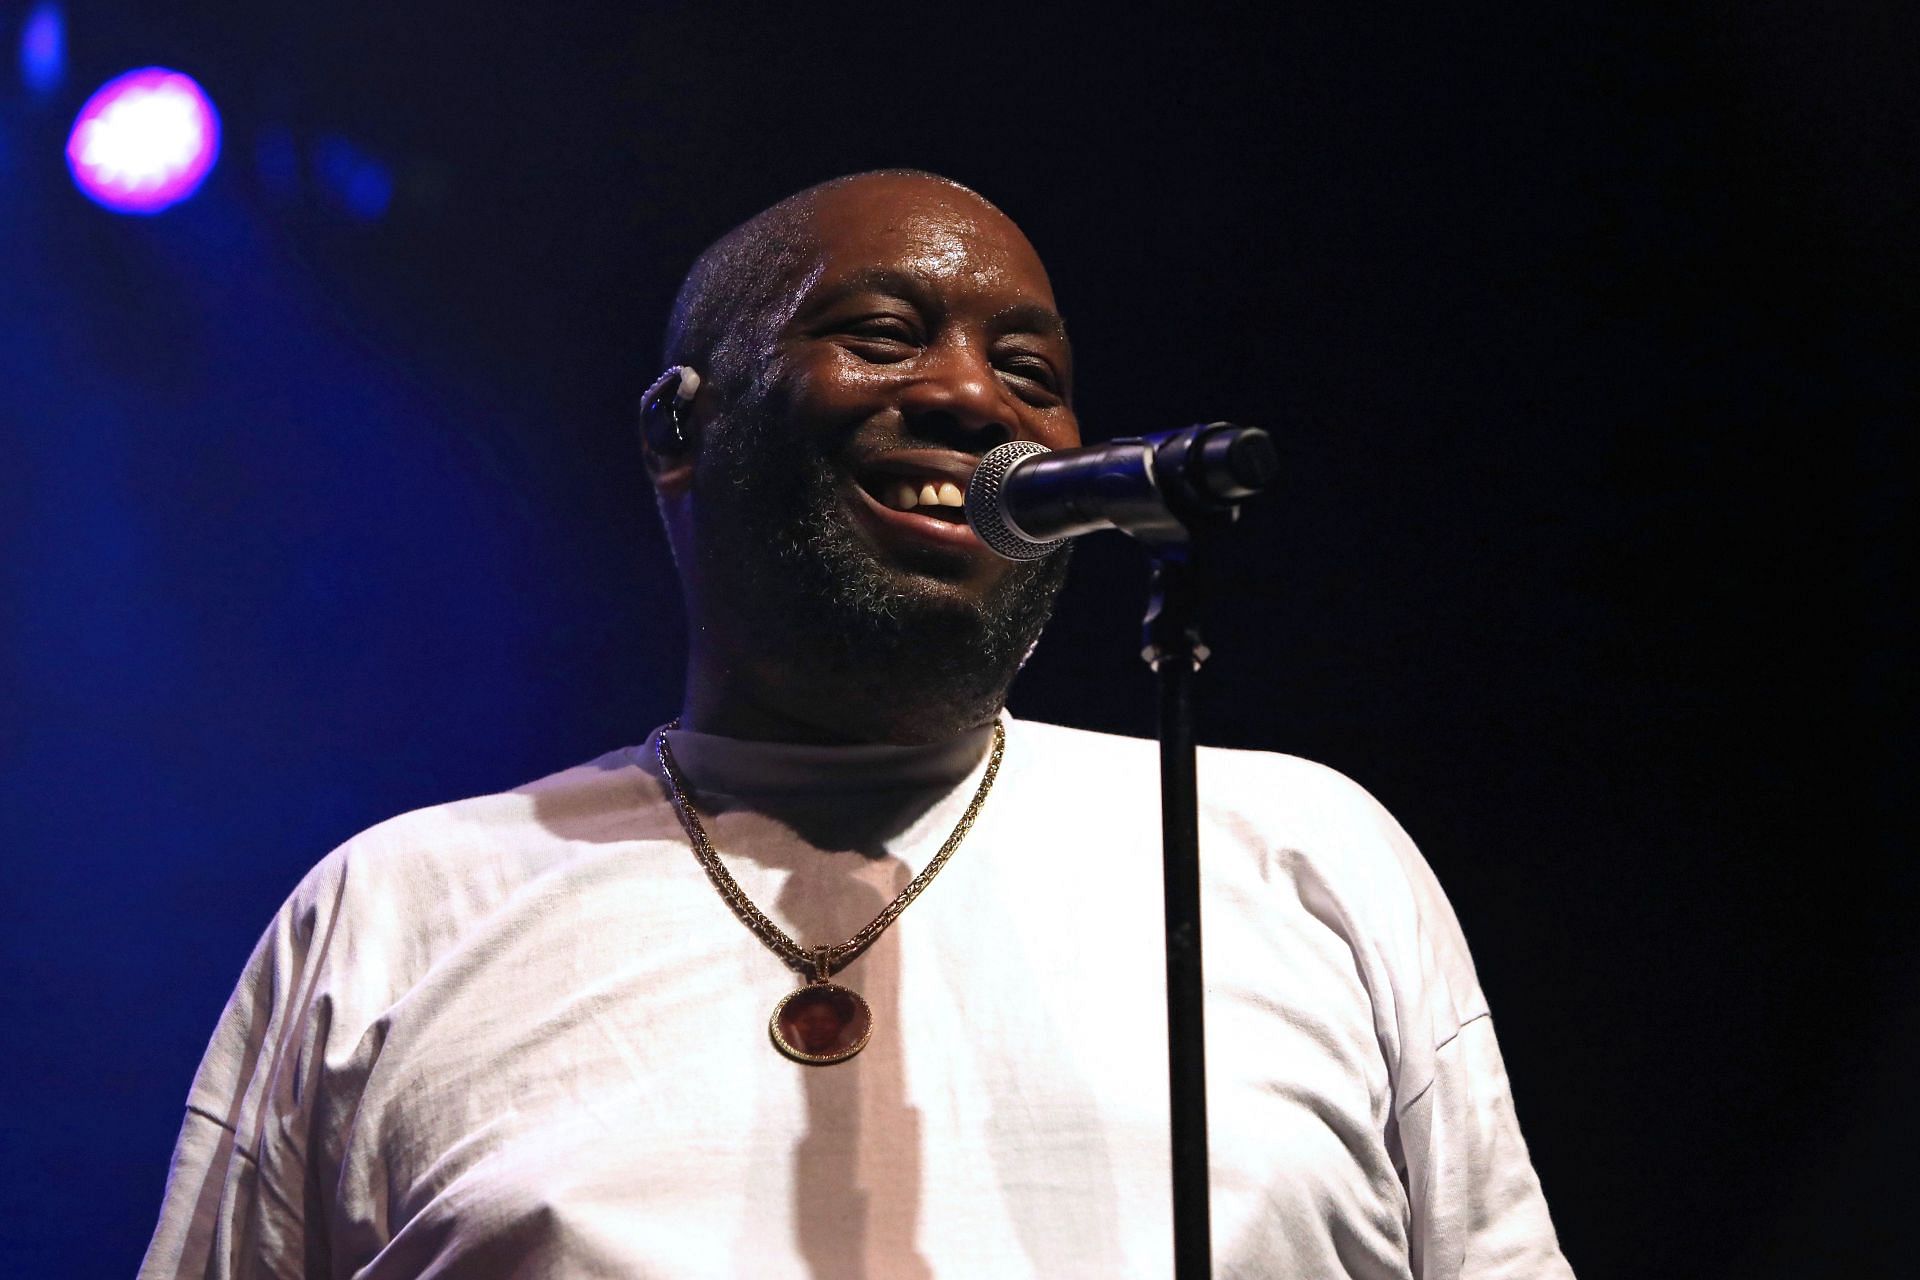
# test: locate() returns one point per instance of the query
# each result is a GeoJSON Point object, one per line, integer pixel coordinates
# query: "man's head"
{"type": "Point", "coordinates": [859, 346]}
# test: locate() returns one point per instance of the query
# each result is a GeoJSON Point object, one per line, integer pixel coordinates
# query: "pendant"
{"type": "Point", "coordinates": [822, 1022]}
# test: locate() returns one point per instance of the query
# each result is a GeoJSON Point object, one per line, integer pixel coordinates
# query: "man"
{"type": "Point", "coordinates": [555, 1032]}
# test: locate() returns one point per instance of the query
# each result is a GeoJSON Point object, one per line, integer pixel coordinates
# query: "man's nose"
{"type": "Point", "coordinates": [959, 400]}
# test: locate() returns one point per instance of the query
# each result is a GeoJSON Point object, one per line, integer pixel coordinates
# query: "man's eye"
{"type": "Point", "coordinates": [1038, 372]}
{"type": "Point", "coordinates": [884, 328]}
{"type": "Point", "coordinates": [878, 339]}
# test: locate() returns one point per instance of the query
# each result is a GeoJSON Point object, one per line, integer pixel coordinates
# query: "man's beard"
{"type": "Point", "coordinates": [900, 633]}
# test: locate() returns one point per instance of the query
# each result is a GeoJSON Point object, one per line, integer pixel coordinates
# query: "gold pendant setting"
{"type": "Point", "coordinates": [821, 1023]}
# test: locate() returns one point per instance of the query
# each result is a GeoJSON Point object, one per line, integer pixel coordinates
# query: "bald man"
{"type": "Point", "coordinates": [845, 972]}
{"type": "Point", "coordinates": [870, 336]}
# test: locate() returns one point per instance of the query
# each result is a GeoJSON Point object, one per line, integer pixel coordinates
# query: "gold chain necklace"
{"type": "Point", "coordinates": [821, 1022]}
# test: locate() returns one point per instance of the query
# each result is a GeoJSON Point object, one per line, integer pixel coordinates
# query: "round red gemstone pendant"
{"type": "Point", "coordinates": [821, 1023]}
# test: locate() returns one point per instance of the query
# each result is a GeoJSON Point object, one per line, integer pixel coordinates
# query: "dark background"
{"type": "Point", "coordinates": [1588, 333]}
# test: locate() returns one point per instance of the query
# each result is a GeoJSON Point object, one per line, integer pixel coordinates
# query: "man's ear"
{"type": "Point", "coordinates": [672, 474]}
{"type": "Point", "coordinates": [667, 436]}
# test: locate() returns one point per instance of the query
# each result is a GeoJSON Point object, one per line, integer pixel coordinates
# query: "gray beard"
{"type": "Point", "coordinates": [873, 632]}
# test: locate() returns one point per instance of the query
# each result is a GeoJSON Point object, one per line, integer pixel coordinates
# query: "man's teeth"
{"type": "Point", "coordinates": [904, 497]}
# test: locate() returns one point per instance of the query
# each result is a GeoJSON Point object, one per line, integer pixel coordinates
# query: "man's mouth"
{"type": "Point", "coordinates": [929, 483]}
{"type": "Point", "coordinates": [941, 499]}
{"type": "Point", "coordinates": [919, 496]}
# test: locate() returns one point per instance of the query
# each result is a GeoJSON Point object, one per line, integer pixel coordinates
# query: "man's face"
{"type": "Point", "coordinates": [922, 334]}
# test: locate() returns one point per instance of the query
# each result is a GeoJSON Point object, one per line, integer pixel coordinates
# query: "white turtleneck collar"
{"type": "Point", "coordinates": [740, 767]}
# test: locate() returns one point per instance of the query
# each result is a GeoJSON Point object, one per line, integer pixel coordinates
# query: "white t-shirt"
{"type": "Point", "coordinates": [523, 1035]}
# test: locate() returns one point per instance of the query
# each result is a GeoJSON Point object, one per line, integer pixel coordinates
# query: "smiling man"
{"type": "Point", "coordinates": [841, 973]}
{"type": "Point", "coordinates": [859, 346]}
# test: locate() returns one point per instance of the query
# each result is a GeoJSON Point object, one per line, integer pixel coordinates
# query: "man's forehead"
{"type": "Point", "coordinates": [877, 199]}
{"type": "Point", "coordinates": [923, 228]}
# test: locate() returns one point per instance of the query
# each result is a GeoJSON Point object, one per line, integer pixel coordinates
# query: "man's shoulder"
{"type": "Point", "coordinates": [1262, 813]}
{"type": "Point", "coordinates": [1229, 775]}
{"type": "Point", "coordinates": [484, 845]}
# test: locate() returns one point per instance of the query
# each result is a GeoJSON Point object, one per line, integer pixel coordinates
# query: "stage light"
{"type": "Point", "coordinates": [43, 48]}
{"type": "Point", "coordinates": [144, 142]}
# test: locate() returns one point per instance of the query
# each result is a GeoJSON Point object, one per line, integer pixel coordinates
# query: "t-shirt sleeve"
{"type": "Point", "coordinates": [1483, 1216]}
{"type": "Point", "coordinates": [219, 1217]}
{"type": "Point", "coordinates": [1478, 1210]}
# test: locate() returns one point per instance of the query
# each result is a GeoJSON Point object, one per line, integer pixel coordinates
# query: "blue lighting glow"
{"type": "Point", "coordinates": [352, 177]}
{"type": "Point", "coordinates": [43, 48]}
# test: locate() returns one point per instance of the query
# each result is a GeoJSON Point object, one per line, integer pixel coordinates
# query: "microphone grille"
{"type": "Point", "coordinates": [986, 508]}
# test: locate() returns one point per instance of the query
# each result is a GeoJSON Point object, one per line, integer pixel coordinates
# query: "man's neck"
{"type": "Point", "coordinates": [733, 701]}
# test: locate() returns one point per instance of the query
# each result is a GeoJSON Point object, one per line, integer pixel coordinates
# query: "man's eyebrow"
{"type": "Point", "coordinates": [1033, 317]}
{"type": "Point", "coordinates": [871, 280]}
{"type": "Point", "coordinates": [1030, 317]}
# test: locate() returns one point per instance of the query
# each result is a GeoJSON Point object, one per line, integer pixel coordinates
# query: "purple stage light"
{"type": "Point", "coordinates": [144, 142]}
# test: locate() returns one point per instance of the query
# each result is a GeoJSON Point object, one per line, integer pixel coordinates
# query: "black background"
{"type": "Point", "coordinates": [1588, 333]}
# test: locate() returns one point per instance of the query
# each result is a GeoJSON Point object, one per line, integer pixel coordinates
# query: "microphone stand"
{"type": "Point", "coordinates": [1174, 651]}
{"type": "Point", "coordinates": [1203, 473]}
{"type": "Point", "coordinates": [1171, 492]}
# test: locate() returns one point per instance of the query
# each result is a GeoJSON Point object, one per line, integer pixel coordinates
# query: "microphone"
{"type": "Point", "coordinates": [1026, 500]}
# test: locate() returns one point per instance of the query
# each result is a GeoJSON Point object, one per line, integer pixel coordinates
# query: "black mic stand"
{"type": "Point", "coordinates": [1174, 651]}
{"type": "Point", "coordinates": [1206, 485]}
{"type": "Point", "coordinates": [1169, 491]}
